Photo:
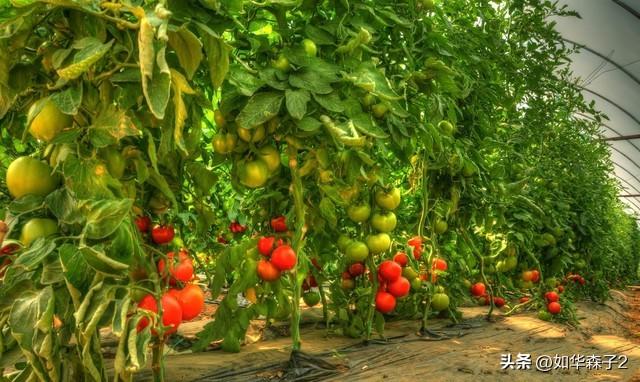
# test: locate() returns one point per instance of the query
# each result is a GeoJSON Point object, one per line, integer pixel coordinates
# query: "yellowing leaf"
{"type": "Point", "coordinates": [179, 85]}
{"type": "Point", "coordinates": [188, 49]}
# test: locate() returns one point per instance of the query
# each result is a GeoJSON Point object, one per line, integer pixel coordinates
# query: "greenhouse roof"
{"type": "Point", "coordinates": [608, 70]}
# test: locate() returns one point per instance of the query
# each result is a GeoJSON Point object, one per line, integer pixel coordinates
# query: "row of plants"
{"type": "Point", "coordinates": [388, 159]}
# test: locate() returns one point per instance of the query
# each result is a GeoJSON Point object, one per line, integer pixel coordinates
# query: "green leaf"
{"type": "Point", "coordinates": [35, 254]}
{"type": "Point", "coordinates": [246, 83]}
{"type": "Point", "coordinates": [104, 216]}
{"type": "Point", "coordinates": [69, 100]}
{"type": "Point", "coordinates": [310, 81]}
{"type": "Point", "coordinates": [319, 36]}
{"type": "Point", "coordinates": [328, 211]}
{"type": "Point", "coordinates": [331, 101]}
{"type": "Point", "coordinates": [64, 207]}
{"type": "Point", "coordinates": [156, 76]}
{"type": "Point", "coordinates": [92, 50]}
{"type": "Point", "coordinates": [259, 109]}
{"type": "Point", "coordinates": [203, 177]}
{"type": "Point", "coordinates": [75, 268]}
{"type": "Point", "coordinates": [26, 203]}
{"type": "Point", "coordinates": [217, 57]}
{"type": "Point", "coordinates": [309, 124]}
{"type": "Point", "coordinates": [188, 49]}
{"type": "Point", "coordinates": [98, 260]}
{"type": "Point", "coordinates": [365, 125]}
{"type": "Point", "coordinates": [371, 79]}
{"type": "Point", "coordinates": [296, 101]}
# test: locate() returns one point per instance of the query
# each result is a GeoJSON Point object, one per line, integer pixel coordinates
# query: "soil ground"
{"type": "Point", "coordinates": [469, 351]}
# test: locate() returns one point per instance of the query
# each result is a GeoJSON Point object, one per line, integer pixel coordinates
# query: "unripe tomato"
{"type": "Point", "coordinates": [359, 213]}
{"type": "Point", "coordinates": [46, 120]}
{"type": "Point", "coordinates": [478, 289]}
{"type": "Point", "coordinates": [29, 176]}
{"type": "Point", "coordinates": [224, 143]}
{"type": "Point", "coordinates": [254, 174]}
{"type": "Point", "coordinates": [440, 226]}
{"type": "Point", "coordinates": [37, 228]}
{"type": "Point", "coordinates": [527, 276]}
{"type": "Point", "coordinates": [378, 243]}
{"type": "Point", "coordinates": [218, 118]}
{"type": "Point", "coordinates": [399, 287]}
{"type": "Point", "coordinates": [560, 288]}
{"type": "Point", "coordinates": [162, 234]}
{"type": "Point", "coordinates": [271, 157]}
{"type": "Point", "coordinates": [251, 135]}
{"type": "Point", "coordinates": [384, 222]}
{"type": "Point", "coordinates": [309, 47]}
{"type": "Point", "coordinates": [191, 299]}
{"type": "Point", "coordinates": [311, 298]}
{"type": "Point", "coordinates": [439, 264]}
{"type": "Point", "coordinates": [265, 245]}
{"type": "Point", "coordinates": [416, 283]}
{"type": "Point", "coordinates": [343, 242]}
{"type": "Point", "coordinates": [446, 127]}
{"type": "Point", "coordinates": [284, 258]}
{"type": "Point", "coordinates": [116, 163]}
{"type": "Point", "coordinates": [279, 224]}
{"type": "Point", "coordinates": [409, 273]}
{"type": "Point", "coordinates": [554, 307]}
{"type": "Point", "coordinates": [143, 223]}
{"type": "Point", "coordinates": [356, 269]}
{"type": "Point", "coordinates": [385, 302]}
{"type": "Point", "coordinates": [267, 271]}
{"type": "Point", "coordinates": [357, 252]}
{"type": "Point", "coordinates": [388, 200]}
{"type": "Point", "coordinates": [439, 302]}
{"type": "Point", "coordinates": [401, 258]}
{"type": "Point", "coordinates": [389, 270]}
{"type": "Point", "coordinates": [379, 110]}
{"type": "Point", "coordinates": [281, 63]}
{"type": "Point", "coordinates": [348, 284]}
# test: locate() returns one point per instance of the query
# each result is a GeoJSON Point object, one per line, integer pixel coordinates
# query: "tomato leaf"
{"type": "Point", "coordinates": [180, 86]}
{"type": "Point", "coordinates": [331, 101]}
{"type": "Point", "coordinates": [69, 100]}
{"type": "Point", "coordinates": [104, 216]}
{"type": "Point", "coordinates": [296, 101]}
{"type": "Point", "coordinates": [91, 50]}
{"type": "Point", "coordinates": [217, 56]}
{"type": "Point", "coordinates": [35, 254]}
{"type": "Point", "coordinates": [188, 48]}
{"type": "Point", "coordinates": [259, 109]}
{"type": "Point", "coordinates": [156, 76]}
{"type": "Point", "coordinates": [309, 80]}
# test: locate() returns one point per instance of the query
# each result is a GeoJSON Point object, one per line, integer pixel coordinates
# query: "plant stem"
{"type": "Point", "coordinates": [298, 239]}
{"type": "Point", "coordinates": [157, 366]}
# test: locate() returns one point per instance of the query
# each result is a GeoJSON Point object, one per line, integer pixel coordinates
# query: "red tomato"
{"type": "Point", "coordinates": [236, 227]}
{"type": "Point", "coordinates": [174, 293]}
{"type": "Point", "coordinates": [498, 302]}
{"type": "Point", "coordinates": [356, 269]}
{"type": "Point", "coordinates": [401, 258]}
{"type": "Point", "coordinates": [143, 223]}
{"type": "Point", "coordinates": [279, 224]}
{"type": "Point", "coordinates": [191, 299]}
{"type": "Point", "coordinates": [417, 253]}
{"type": "Point", "coordinates": [389, 270]}
{"type": "Point", "coordinates": [415, 241]}
{"type": "Point", "coordinates": [554, 307]}
{"type": "Point", "coordinates": [180, 269]}
{"type": "Point", "coordinates": [346, 276]}
{"type": "Point", "coordinates": [551, 297]}
{"type": "Point", "coordinates": [162, 234]}
{"type": "Point", "coordinates": [316, 264]}
{"type": "Point", "coordinates": [399, 288]}
{"type": "Point", "coordinates": [265, 245]}
{"type": "Point", "coordinates": [439, 264]}
{"type": "Point", "coordinates": [535, 275]}
{"type": "Point", "coordinates": [311, 280]}
{"type": "Point", "coordinates": [385, 302]}
{"type": "Point", "coordinates": [478, 289]}
{"type": "Point", "coordinates": [560, 288]}
{"type": "Point", "coordinates": [523, 299]}
{"type": "Point", "coordinates": [222, 240]}
{"type": "Point", "coordinates": [267, 271]}
{"type": "Point", "coordinates": [284, 258]}
{"type": "Point", "coordinates": [171, 312]}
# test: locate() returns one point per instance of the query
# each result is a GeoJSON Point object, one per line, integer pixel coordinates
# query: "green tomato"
{"type": "Point", "coordinates": [343, 242]}
{"type": "Point", "coordinates": [544, 315]}
{"type": "Point", "coordinates": [309, 47]}
{"type": "Point", "coordinates": [440, 226]}
{"type": "Point", "coordinates": [281, 63]}
{"type": "Point", "coordinates": [254, 174]}
{"type": "Point", "coordinates": [409, 273]}
{"type": "Point", "coordinates": [384, 222]}
{"type": "Point", "coordinates": [439, 302]}
{"type": "Point", "coordinates": [446, 127]}
{"type": "Point", "coordinates": [388, 200]}
{"type": "Point", "coordinates": [416, 283]}
{"type": "Point", "coordinates": [378, 243]}
{"type": "Point", "coordinates": [311, 298]}
{"type": "Point", "coordinates": [379, 110]}
{"type": "Point", "coordinates": [271, 156]}
{"type": "Point", "coordinates": [357, 252]}
{"type": "Point", "coordinates": [359, 213]}
{"type": "Point", "coordinates": [37, 228]}
{"type": "Point", "coordinates": [468, 170]}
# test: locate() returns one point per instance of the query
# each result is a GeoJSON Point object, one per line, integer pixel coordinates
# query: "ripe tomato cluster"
{"type": "Point", "coordinates": [236, 227]}
{"type": "Point", "coordinates": [392, 285]}
{"type": "Point", "coordinates": [278, 256]}
{"type": "Point", "coordinates": [479, 290]}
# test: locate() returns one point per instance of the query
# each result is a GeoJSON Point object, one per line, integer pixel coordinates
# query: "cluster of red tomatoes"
{"type": "Point", "coordinates": [278, 256]}
{"type": "Point", "coordinates": [479, 290]}
{"type": "Point", "coordinates": [182, 300]}
{"type": "Point", "coordinates": [392, 285]}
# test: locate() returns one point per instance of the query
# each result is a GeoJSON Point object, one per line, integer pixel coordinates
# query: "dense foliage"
{"type": "Point", "coordinates": [390, 159]}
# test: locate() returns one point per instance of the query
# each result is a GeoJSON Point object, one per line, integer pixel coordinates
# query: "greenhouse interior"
{"type": "Point", "coordinates": [319, 190]}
